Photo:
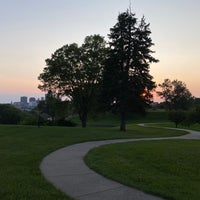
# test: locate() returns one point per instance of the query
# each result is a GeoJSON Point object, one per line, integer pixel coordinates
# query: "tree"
{"type": "Point", "coordinates": [175, 94]}
{"type": "Point", "coordinates": [9, 114]}
{"type": "Point", "coordinates": [75, 72]}
{"type": "Point", "coordinates": [177, 117]}
{"type": "Point", "coordinates": [127, 82]}
{"type": "Point", "coordinates": [54, 107]}
{"type": "Point", "coordinates": [186, 118]}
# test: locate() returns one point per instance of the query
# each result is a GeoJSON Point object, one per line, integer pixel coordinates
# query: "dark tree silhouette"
{"type": "Point", "coordinates": [9, 114]}
{"type": "Point", "coordinates": [175, 94]}
{"type": "Point", "coordinates": [127, 82]}
{"type": "Point", "coordinates": [54, 107]}
{"type": "Point", "coordinates": [75, 72]}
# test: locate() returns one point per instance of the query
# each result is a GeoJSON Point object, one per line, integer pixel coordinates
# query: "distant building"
{"type": "Point", "coordinates": [25, 105]}
{"type": "Point", "coordinates": [42, 98]}
{"type": "Point", "coordinates": [17, 105]}
{"type": "Point", "coordinates": [32, 102]}
{"type": "Point", "coordinates": [32, 99]}
{"type": "Point", "coordinates": [24, 100]}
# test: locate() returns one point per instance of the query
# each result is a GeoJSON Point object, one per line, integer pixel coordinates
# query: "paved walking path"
{"type": "Point", "coordinates": [66, 170]}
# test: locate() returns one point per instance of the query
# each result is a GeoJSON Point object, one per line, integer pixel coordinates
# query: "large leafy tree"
{"type": "Point", "coordinates": [175, 94]}
{"type": "Point", "coordinates": [127, 82]}
{"type": "Point", "coordinates": [75, 72]}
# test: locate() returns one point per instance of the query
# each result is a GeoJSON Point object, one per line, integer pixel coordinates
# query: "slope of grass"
{"type": "Point", "coordinates": [22, 148]}
{"type": "Point", "coordinates": [167, 168]}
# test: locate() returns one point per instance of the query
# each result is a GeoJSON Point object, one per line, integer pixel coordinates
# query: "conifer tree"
{"type": "Point", "coordinates": [126, 81]}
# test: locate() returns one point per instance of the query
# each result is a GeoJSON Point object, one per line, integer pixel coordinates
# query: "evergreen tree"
{"type": "Point", "coordinates": [126, 81]}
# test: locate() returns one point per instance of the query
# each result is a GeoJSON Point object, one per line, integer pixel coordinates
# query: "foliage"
{"type": "Point", "coordinates": [197, 115]}
{"type": "Point", "coordinates": [126, 79]}
{"type": "Point", "coordinates": [177, 117]}
{"type": "Point", "coordinates": [53, 107]}
{"type": "Point", "coordinates": [62, 122]}
{"type": "Point", "coordinates": [196, 103]}
{"type": "Point", "coordinates": [29, 118]}
{"type": "Point", "coordinates": [9, 114]}
{"type": "Point", "coordinates": [169, 168]}
{"type": "Point", "coordinates": [175, 94]}
{"type": "Point", "coordinates": [75, 72]}
{"type": "Point", "coordinates": [186, 118]}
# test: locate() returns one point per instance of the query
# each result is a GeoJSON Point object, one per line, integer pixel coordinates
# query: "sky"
{"type": "Point", "coordinates": [31, 30]}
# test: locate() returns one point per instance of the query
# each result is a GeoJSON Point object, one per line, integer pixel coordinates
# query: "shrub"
{"type": "Point", "coordinates": [9, 114]}
{"type": "Point", "coordinates": [64, 122]}
{"type": "Point", "coordinates": [177, 117]}
{"type": "Point", "coordinates": [61, 122]}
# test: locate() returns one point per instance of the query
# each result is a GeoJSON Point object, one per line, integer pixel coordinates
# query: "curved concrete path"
{"type": "Point", "coordinates": [66, 170]}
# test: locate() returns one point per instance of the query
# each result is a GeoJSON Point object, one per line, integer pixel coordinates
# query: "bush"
{"type": "Point", "coordinates": [177, 117]}
{"type": "Point", "coordinates": [190, 118]}
{"type": "Point", "coordinates": [62, 122]}
{"type": "Point", "coordinates": [186, 118]}
{"type": "Point", "coordinates": [197, 115]}
{"type": "Point", "coordinates": [9, 114]}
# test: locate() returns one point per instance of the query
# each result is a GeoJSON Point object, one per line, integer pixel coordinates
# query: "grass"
{"type": "Point", "coordinates": [167, 168]}
{"type": "Point", "coordinates": [22, 149]}
{"type": "Point", "coordinates": [195, 127]}
{"type": "Point", "coordinates": [109, 120]}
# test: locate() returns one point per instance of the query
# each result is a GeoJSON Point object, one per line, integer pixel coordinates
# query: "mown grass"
{"type": "Point", "coordinates": [195, 127]}
{"type": "Point", "coordinates": [167, 168]}
{"type": "Point", "coordinates": [22, 149]}
{"type": "Point", "coordinates": [108, 119]}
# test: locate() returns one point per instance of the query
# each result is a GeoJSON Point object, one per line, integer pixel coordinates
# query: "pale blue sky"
{"type": "Point", "coordinates": [31, 30]}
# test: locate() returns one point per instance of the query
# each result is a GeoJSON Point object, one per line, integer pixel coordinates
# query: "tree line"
{"type": "Point", "coordinates": [185, 118]}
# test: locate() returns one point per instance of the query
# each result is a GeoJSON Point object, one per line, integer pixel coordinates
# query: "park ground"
{"type": "Point", "coordinates": [22, 149]}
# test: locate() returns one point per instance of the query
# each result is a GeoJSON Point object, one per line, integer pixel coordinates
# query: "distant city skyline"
{"type": "Point", "coordinates": [16, 97]}
{"type": "Point", "coordinates": [27, 103]}
{"type": "Point", "coordinates": [32, 30]}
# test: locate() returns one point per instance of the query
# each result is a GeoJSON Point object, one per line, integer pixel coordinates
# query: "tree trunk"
{"type": "Point", "coordinates": [83, 123]}
{"type": "Point", "coordinates": [38, 121]}
{"type": "Point", "coordinates": [83, 118]}
{"type": "Point", "coordinates": [123, 121]}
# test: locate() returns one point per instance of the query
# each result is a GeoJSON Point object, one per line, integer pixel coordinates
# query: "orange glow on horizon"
{"type": "Point", "coordinates": [20, 86]}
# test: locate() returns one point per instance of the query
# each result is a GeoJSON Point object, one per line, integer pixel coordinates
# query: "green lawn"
{"type": "Point", "coordinates": [169, 168]}
{"type": "Point", "coordinates": [109, 119]}
{"type": "Point", "coordinates": [22, 149]}
{"type": "Point", "coordinates": [195, 127]}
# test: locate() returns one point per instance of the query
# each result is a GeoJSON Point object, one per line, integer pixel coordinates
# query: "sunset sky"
{"type": "Point", "coordinates": [31, 30]}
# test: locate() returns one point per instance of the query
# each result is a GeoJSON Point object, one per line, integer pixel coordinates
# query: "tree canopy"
{"type": "Point", "coordinates": [175, 94]}
{"type": "Point", "coordinates": [75, 72]}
